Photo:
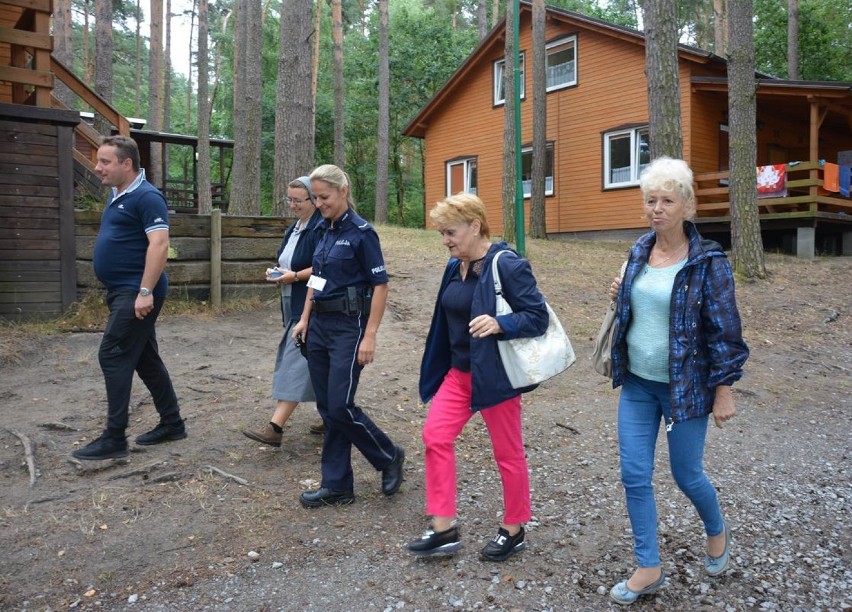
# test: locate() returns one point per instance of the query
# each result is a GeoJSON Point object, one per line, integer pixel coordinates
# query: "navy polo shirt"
{"type": "Point", "coordinates": [348, 254]}
{"type": "Point", "coordinates": [122, 242]}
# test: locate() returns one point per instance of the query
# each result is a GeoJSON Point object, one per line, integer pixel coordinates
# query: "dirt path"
{"type": "Point", "coordinates": [167, 530]}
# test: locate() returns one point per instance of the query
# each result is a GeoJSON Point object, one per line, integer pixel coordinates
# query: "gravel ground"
{"type": "Point", "coordinates": [161, 532]}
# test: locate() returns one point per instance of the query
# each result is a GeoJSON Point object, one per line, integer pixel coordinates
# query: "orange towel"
{"type": "Point", "coordinates": [831, 177]}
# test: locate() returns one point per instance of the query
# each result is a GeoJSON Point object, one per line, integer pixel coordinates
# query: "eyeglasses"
{"type": "Point", "coordinates": [295, 202]}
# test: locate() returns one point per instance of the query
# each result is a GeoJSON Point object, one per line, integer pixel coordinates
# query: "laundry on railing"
{"type": "Point", "coordinates": [845, 177]}
{"type": "Point", "coordinates": [772, 181]}
{"type": "Point", "coordinates": [831, 177]}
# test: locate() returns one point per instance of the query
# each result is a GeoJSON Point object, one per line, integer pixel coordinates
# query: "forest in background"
{"type": "Point", "coordinates": [428, 40]}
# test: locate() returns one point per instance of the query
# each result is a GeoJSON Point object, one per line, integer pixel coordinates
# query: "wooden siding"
{"type": "Point", "coordinates": [36, 203]}
{"type": "Point", "coordinates": [611, 91]}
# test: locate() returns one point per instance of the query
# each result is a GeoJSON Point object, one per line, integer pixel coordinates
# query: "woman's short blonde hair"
{"type": "Point", "coordinates": [461, 208]}
{"type": "Point", "coordinates": [667, 174]}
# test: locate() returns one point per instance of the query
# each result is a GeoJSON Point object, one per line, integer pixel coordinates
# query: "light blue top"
{"type": "Point", "coordinates": [648, 335]}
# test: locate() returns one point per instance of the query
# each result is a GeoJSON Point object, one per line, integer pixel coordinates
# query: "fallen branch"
{"type": "Point", "coordinates": [211, 469]}
{"type": "Point", "coordinates": [28, 454]}
{"type": "Point", "coordinates": [57, 426]}
{"type": "Point", "coordinates": [573, 430]}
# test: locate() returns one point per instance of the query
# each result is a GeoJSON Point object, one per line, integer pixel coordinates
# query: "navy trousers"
{"type": "Point", "coordinates": [130, 345]}
{"type": "Point", "coordinates": [333, 340]}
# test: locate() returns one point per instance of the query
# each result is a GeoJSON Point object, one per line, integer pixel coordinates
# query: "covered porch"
{"type": "Point", "coordinates": [806, 128]}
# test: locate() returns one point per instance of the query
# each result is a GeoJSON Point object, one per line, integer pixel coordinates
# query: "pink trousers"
{"type": "Point", "coordinates": [449, 413]}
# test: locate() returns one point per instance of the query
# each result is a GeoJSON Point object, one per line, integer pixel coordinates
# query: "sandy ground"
{"type": "Point", "coordinates": [170, 529]}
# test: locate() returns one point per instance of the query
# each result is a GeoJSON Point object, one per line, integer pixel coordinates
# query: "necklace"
{"type": "Point", "coordinates": [667, 259]}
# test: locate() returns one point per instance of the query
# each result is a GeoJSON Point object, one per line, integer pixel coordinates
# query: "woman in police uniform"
{"type": "Point", "coordinates": [346, 299]}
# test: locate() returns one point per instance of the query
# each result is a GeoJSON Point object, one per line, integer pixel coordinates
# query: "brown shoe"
{"type": "Point", "coordinates": [267, 435]}
{"type": "Point", "coordinates": [317, 428]}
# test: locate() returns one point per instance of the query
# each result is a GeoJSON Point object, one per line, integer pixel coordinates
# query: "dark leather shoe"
{"type": "Point", "coordinates": [504, 545]}
{"type": "Point", "coordinates": [317, 498]}
{"type": "Point", "coordinates": [104, 447]}
{"type": "Point", "coordinates": [392, 474]}
{"type": "Point", "coordinates": [162, 433]}
{"type": "Point", "coordinates": [436, 543]}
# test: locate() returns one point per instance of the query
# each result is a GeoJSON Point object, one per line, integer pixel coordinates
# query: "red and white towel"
{"type": "Point", "coordinates": [772, 181]}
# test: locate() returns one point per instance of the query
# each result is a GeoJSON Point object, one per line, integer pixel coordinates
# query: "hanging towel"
{"type": "Point", "coordinates": [844, 180]}
{"type": "Point", "coordinates": [772, 181]}
{"type": "Point", "coordinates": [831, 177]}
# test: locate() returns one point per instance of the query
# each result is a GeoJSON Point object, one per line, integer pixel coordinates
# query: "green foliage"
{"type": "Point", "coordinates": [825, 39]}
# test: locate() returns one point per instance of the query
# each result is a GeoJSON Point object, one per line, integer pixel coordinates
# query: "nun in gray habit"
{"type": "Point", "coordinates": [291, 383]}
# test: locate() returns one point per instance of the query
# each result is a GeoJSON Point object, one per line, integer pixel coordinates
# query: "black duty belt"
{"type": "Point", "coordinates": [332, 305]}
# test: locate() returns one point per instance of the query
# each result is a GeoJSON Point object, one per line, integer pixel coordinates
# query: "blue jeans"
{"type": "Point", "coordinates": [641, 406]}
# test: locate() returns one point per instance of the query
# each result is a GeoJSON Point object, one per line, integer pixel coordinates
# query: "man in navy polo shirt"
{"type": "Point", "coordinates": [130, 258]}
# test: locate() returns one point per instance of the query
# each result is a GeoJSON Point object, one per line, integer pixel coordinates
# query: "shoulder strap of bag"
{"type": "Point", "coordinates": [495, 273]}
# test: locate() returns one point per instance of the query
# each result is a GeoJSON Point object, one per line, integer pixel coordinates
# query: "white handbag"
{"type": "Point", "coordinates": [529, 361]}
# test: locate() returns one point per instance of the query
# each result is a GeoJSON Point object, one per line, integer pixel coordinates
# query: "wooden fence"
{"type": "Point", "coordinates": [248, 246]}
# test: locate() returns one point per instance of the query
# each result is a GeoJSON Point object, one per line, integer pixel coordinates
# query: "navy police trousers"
{"type": "Point", "coordinates": [333, 340]}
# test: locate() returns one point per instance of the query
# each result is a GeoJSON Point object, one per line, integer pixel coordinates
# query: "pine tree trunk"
{"type": "Point", "coordinates": [509, 169]}
{"type": "Point", "coordinates": [155, 90]}
{"type": "Point", "coordinates": [793, 40]}
{"type": "Point", "coordinates": [482, 18]}
{"type": "Point", "coordinates": [495, 13]}
{"type": "Point", "coordinates": [87, 59]}
{"type": "Point", "coordinates": [294, 136]}
{"type": "Point", "coordinates": [205, 199]}
{"type": "Point", "coordinates": [166, 125]}
{"type": "Point", "coordinates": [137, 95]}
{"type": "Point", "coordinates": [661, 70]}
{"type": "Point", "coordinates": [63, 49]}
{"type": "Point", "coordinates": [539, 93]}
{"type": "Point", "coordinates": [337, 39]}
{"type": "Point", "coordinates": [383, 136]}
{"type": "Point", "coordinates": [245, 183]}
{"type": "Point", "coordinates": [747, 246]}
{"type": "Point", "coordinates": [720, 31]}
{"type": "Point", "coordinates": [103, 59]}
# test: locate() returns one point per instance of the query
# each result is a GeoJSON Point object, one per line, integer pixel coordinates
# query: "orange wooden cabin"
{"type": "Point", "coordinates": [597, 135]}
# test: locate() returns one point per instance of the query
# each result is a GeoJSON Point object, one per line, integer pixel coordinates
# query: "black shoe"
{"type": "Point", "coordinates": [317, 498]}
{"type": "Point", "coordinates": [504, 545]}
{"type": "Point", "coordinates": [392, 474]}
{"type": "Point", "coordinates": [104, 447]}
{"type": "Point", "coordinates": [162, 433]}
{"type": "Point", "coordinates": [436, 543]}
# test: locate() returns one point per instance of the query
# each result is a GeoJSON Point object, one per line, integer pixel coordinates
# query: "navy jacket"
{"type": "Point", "coordinates": [302, 257]}
{"type": "Point", "coordinates": [706, 346]}
{"type": "Point", "coordinates": [529, 319]}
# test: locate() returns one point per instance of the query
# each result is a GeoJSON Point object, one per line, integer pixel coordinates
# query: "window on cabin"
{"type": "Point", "coordinates": [461, 176]}
{"type": "Point", "coordinates": [526, 170]}
{"type": "Point", "coordinates": [499, 83]}
{"type": "Point", "coordinates": [626, 153]}
{"type": "Point", "coordinates": [561, 63]}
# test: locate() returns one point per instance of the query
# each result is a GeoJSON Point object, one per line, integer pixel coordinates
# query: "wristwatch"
{"type": "Point", "coordinates": [144, 292]}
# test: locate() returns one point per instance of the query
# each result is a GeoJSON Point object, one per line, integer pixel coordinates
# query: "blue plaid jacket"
{"type": "Point", "coordinates": [706, 347]}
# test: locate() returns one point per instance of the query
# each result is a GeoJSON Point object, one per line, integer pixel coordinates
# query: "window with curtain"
{"type": "Point", "coordinates": [526, 170]}
{"type": "Point", "coordinates": [499, 84]}
{"type": "Point", "coordinates": [561, 63]}
{"type": "Point", "coordinates": [626, 153]}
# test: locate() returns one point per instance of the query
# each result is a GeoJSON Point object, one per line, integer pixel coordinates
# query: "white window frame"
{"type": "Point", "coordinates": [631, 176]}
{"type": "Point", "coordinates": [498, 80]}
{"type": "Point", "coordinates": [467, 164]}
{"type": "Point", "coordinates": [548, 179]}
{"type": "Point", "coordinates": [558, 43]}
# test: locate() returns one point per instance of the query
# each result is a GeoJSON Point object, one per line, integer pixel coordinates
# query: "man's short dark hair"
{"type": "Point", "coordinates": [125, 147]}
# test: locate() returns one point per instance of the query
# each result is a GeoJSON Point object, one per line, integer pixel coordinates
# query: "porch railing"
{"type": "Point", "coordinates": [806, 196]}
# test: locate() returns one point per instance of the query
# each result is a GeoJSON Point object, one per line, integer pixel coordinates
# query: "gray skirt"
{"type": "Point", "coordinates": [291, 381]}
